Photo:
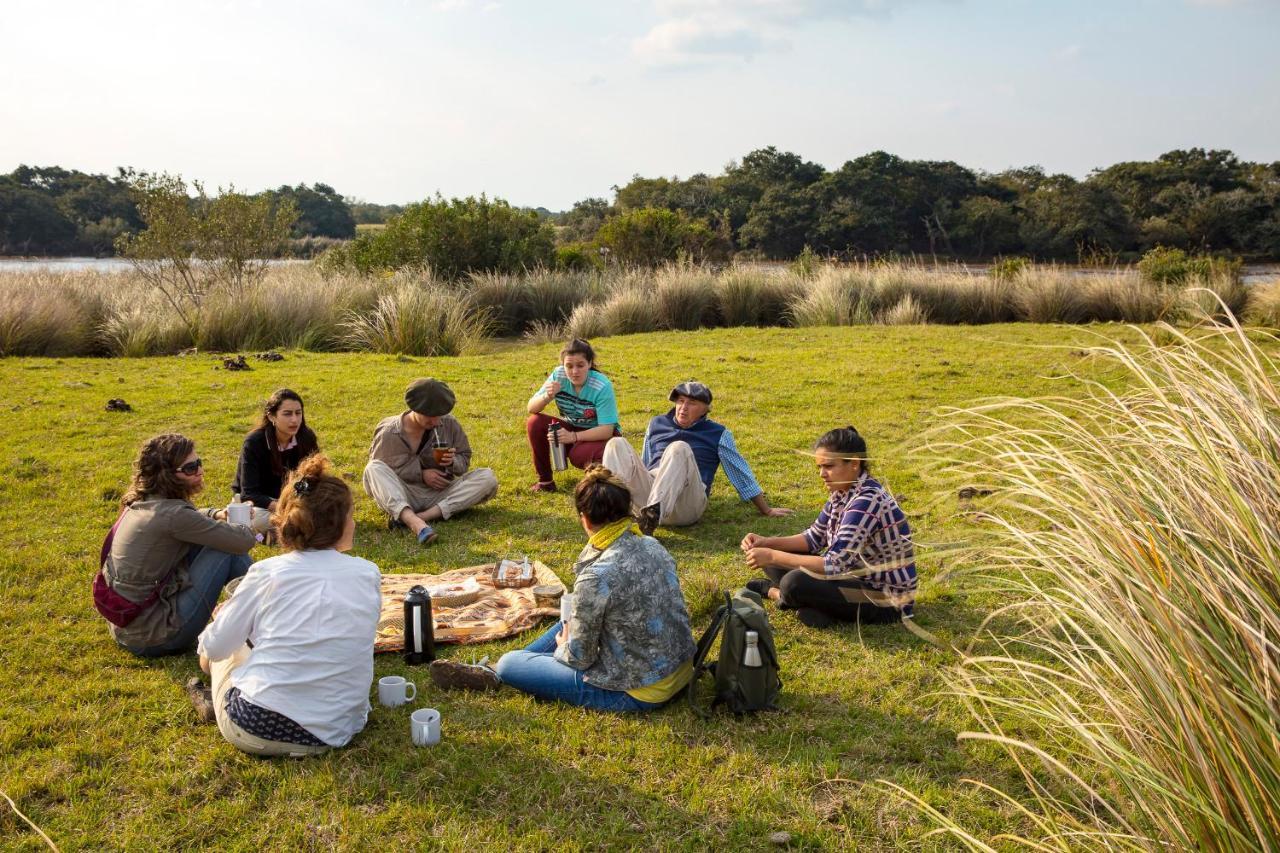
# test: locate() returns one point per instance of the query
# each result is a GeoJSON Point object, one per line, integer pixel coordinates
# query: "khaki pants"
{"type": "Point", "coordinates": [395, 495]}
{"type": "Point", "coordinates": [675, 484]}
{"type": "Point", "coordinates": [220, 674]}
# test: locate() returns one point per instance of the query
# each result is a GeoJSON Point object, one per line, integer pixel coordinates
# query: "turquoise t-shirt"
{"type": "Point", "coordinates": [592, 406]}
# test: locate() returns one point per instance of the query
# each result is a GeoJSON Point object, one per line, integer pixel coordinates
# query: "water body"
{"type": "Point", "coordinates": [109, 265]}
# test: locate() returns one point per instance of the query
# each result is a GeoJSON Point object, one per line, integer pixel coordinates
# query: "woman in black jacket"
{"type": "Point", "coordinates": [276, 445]}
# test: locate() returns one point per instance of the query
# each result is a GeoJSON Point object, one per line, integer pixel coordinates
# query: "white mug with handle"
{"type": "Point", "coordinates": [424, 727]}
{"type": "Point", "coordinates": [394, 691]}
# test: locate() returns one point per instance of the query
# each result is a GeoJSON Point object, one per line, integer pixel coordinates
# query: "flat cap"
{"type": "Point", "coordinates": [694, 390]}
{"type": "Point", "coordinates": [429, 397]}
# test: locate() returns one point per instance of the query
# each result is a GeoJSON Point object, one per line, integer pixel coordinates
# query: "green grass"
{"type": "Point", "coordinates": [102, 750]}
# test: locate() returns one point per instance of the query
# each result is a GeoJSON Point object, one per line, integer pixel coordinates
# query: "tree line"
{"type": "Point", "coordinates": [58, 212]}
{"type": "Point", "coordinates": [774, 203]}
{"type": "Point", "coordinates": [771, 204]}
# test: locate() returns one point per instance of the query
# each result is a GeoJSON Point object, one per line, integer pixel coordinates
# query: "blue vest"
{"type": "Point", "coordinates": [703, 437]}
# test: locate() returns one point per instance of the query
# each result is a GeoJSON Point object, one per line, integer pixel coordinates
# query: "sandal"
{"type": "Point", "coordinates": [543, 487]}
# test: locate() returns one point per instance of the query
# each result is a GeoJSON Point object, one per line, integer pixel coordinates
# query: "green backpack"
{"type": "Point", "coordinates": [738, 686]}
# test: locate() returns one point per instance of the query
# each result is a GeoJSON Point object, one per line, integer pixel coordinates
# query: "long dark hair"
{"type": "Point", "coordinates": [155, 471]}
{"type": "Point", "coordinates": [307, 443]}
{"type": "Point", "coordinates": [846, 442]}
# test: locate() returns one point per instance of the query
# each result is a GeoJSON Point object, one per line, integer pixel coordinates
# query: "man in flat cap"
{"type": "Point", "coordinates": [671, 478]}
{"type": "Point", "coordinates": [418, 463]}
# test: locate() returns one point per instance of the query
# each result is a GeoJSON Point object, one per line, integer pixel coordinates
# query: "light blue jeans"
{"type": "Point", "coordinates": [534, 670]}
{"type": "Point", "coordinates": [209, 571]}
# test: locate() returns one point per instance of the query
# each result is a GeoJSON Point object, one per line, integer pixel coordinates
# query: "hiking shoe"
{"type": "Point", "coordinates": [427, 535]}
{"type": "Point", "coordinates": [814, 618]}
{"type": "Point", "coordinates": [452, 675]}
{"type": "Point", "coordinates": [201, 699]}
{"type": "Point", "coordinates": [761, 587]}
{"type": "Point", "coordinates": [543, 487]}
{"type": "Point", "coordinates": [648, 518]}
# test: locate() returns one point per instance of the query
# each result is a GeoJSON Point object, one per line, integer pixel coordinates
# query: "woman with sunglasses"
{"type": "Point", "coordinates": [164, 550]}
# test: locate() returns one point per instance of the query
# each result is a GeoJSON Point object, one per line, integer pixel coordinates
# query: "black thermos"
{"type": "Point", "coordinates": [419, 630]}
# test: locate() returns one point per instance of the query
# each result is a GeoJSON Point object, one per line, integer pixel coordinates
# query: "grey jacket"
{"type": "Point", "coordinates": [392, 447]}
{"type": "Point", "coordinates": [630, 626]}
{"type": "Point", "coordinates": [152, 539]}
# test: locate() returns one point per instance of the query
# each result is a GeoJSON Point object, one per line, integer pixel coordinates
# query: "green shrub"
{"type": "Point", "coordinates": [452, 238]}
{"type": "Point", "coordinates": [1174, 267]}
{"type": "Point", "coordinates": [651, 236]}
{"type": "Point", "coordinates": [1008, 269]}
{"type": "Point", "coordinates": [578, 257]}
{"type": "Point", "coordinates": [806, 264]}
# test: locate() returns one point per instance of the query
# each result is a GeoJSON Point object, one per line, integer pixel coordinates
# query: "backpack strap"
{"type": "Point", "coordinates": [700, 666]}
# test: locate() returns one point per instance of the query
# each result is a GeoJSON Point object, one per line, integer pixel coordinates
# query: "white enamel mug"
{"type": "Point", "coordinates": [566, 607]}
{"type": "Point", "coordinates": [239, 513]}
{"type": "Point", "coordinates": [394, 691]}
{"type": "Point", "coordinates": [424, 727]}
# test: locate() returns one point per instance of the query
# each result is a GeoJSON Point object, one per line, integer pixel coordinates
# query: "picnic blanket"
{"type": "Point", "coordinates": [496, 613]}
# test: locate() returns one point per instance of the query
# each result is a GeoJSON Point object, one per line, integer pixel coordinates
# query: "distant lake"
{"type": "Point", "coordinates": [95, 264]}
{"type": "Point", "coordinates": [1253, 273]}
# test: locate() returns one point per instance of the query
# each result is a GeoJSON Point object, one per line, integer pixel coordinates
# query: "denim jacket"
{"type": "Point", "coordinates": [630, 626]}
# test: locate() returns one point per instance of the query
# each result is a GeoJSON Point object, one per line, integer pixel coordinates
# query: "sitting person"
{"type": "Point", "coordinates": [856, 562]}
{"type": "Point", "coordinates": [628, 645]}
{"type": "Point", "coordinates": [165, 551]}
{"type": "Point", "coordinates": [290, 653]}
{"type": "Point", "coordinates": [417, 471]}
{"type": "Point", "coordinates": [588, 413]}
{"type": "Point", "coordinates": [670, 480]}
{"type": "Point", "coordinates": [272, 449]}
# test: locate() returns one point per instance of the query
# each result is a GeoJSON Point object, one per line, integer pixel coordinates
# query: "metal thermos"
{"type": "Point", "coordinates": [559, 453]}
{"type": "Point", "coordinates": [751, 654]}
{"type": "Point", "coordinates": [419, 629]}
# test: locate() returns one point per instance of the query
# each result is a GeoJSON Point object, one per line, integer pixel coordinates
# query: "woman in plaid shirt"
{"type": "Point", "coordinates": [856, 561]}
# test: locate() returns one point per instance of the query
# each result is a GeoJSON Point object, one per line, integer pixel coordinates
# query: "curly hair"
{"type": "Point", "coordinates": [601, 496]}
{"type": "Point", "coordinates": [155, 471]}
{"type": "Point", "coordinates": [314, 507]}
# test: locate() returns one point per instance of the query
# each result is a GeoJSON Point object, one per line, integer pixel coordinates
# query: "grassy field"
{"type": "Point", "coordinates": [102, 750]}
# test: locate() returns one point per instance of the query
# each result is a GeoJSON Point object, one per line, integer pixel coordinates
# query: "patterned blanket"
{"type": "Point", "coordinates": [496, 613]}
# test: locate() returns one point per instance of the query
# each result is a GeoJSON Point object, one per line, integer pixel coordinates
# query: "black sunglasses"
{"type": "Point", "coordinates": [191, 467]}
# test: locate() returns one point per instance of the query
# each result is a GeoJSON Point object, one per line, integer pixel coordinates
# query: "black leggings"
{"type": "Point", "coordinates": [844, 600]}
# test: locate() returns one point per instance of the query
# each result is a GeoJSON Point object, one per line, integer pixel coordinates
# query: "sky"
{"type": "Point", "coordinates": [547, 102]}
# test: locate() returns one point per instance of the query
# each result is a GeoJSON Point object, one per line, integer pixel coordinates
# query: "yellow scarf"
{"type": "Point", "coordinates": [607, 535]}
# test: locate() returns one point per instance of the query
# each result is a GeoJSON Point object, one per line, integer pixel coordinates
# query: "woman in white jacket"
{"type": "Point", "coordinates": [291, 652]}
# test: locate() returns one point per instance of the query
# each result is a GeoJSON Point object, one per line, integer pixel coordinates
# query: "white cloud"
{"type": "Point", "coordinates": [694, 32]}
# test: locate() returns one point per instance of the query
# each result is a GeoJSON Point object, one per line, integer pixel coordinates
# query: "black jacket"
{"type": "Point", "coordinates": [255, 478]}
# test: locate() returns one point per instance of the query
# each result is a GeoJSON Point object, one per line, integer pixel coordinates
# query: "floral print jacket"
{"type": "Point", "coordinates": [630, 626]}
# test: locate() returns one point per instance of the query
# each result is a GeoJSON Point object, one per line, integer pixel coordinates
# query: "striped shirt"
{"type": "Point", "coordinates": [592, 406]}
{"type": "Point", "coordinates": [863, 535]}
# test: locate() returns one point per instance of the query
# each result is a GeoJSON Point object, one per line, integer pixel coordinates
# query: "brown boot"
{"type": "Point", "coordinates": [201, 699]}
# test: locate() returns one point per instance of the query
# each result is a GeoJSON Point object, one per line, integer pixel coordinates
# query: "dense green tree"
{"type": "Point", "coordinates": [321, 211]}
{"type": "Point", "coordinates": [652, 236]}
{"type": "Point", "coordinates": [454, 237]}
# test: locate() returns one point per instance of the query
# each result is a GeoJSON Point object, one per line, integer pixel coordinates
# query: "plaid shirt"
{"type": "Point", "coordinates": [863, 535]}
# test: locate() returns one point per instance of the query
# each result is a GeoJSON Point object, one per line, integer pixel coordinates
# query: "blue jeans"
{"type": "Point", "coordinates": [534, 670]}
{"type": "Point", "coordinates": [208, 571]}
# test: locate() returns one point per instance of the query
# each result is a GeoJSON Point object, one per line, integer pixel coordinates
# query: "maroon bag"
{"type": "Point", "coordinates": [113, 606]}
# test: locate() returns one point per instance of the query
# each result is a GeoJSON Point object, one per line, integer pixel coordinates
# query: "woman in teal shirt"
{"type": "Point", "coordinates": [587, 408]}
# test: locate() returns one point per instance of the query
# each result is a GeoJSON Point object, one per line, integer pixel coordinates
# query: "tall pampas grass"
{"type": "Point", "coordinates": [1139, 545]}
